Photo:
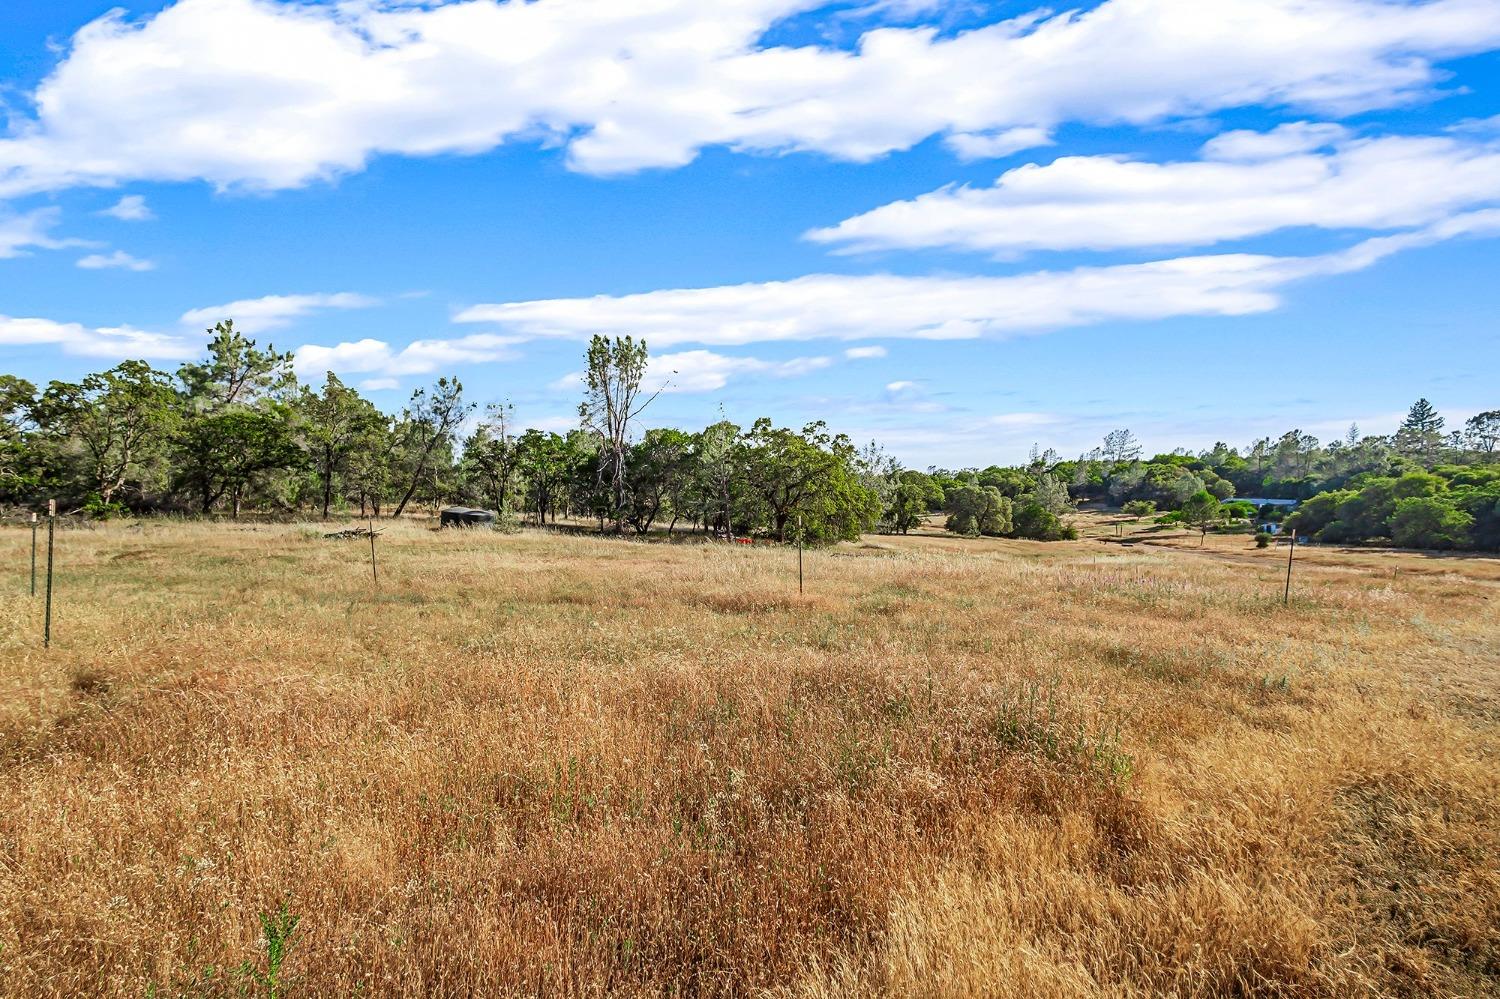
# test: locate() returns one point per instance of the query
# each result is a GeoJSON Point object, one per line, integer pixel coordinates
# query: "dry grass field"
{"type": "Point", "coordinates": [540, 765]}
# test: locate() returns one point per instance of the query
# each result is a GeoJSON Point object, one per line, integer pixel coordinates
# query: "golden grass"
{"type": "Point", "coordinates": [571, 766]}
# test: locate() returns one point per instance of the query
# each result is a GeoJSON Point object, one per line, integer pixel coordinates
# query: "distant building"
{"type": "Point", "coordinates": [1265, 523]}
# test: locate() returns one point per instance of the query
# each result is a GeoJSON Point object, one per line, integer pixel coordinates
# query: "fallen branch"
{"type": "Point", "coordinates": [354, 532]}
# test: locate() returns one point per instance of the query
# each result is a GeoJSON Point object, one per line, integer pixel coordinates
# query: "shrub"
{"type": "Point", "coordinates": [1263, 539]}
{"type": "Point", "coordinates": [1429, 522]}
{"type": "Point", "coordinates": [1239, 510]}
{"type": "Point", "coordinates": [97, 509]}
{"type": "Point", "coordinates": [1318, 512]}
{"type": "Point", "coordinates": [1035, 521]}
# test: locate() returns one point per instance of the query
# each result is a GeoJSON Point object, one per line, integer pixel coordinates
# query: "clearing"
{"type": "Point", "coordinates": [545, 765]}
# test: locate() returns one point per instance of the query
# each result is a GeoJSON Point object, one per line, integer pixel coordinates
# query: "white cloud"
{"type": "Point", "coordinates": [105, 341]}
{"type": "Point", "coordinates": [994, 145]}
{"type": "Point", "coordinates": [923, 435]}
{"type": "Point", "coordinates": [1480, 126]}
{"type": "Point", "coordinates": [118, 260]}
{"type": "Point", "coordinates": [864, 353]}
{"type": "Point", "coordinates": [417, 358]}
{"type": "Point", "coordinates": [904, 397]}
{"type": "Point", "coordinates": [707, 371]}
{"type": "Point", "coordinates": [256, 315]}
{"type": "Point", "coordinates": [880, 306]}
{"type": "Point", "coordinates": [130, 208]}
{"type": "Point", "coordinates": [19, 233]}
{"type": "Point", "coordinates": [1247, 184]}
{"type": "Point", "coordinates": [555, 424]}
{"type": "Point", "coordinates": [703, 371]}
{"type": "Point", "coordinates": [379, 384]}
{"type": "Point", "coordinates": [1283, 140]}
{"type": "Point", "coordinates": [278, 94]}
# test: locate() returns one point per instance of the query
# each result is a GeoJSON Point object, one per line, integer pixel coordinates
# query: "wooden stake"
{"type": "Point", "coordinates": [33, 553]}
{"type": "Point", "coordinates": [1286, 596]}
{"type": "Point", "coordinates": [51, 533]}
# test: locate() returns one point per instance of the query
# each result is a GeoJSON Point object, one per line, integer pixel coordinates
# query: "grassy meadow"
{"type": "Point", "coordinates": [546, 765]}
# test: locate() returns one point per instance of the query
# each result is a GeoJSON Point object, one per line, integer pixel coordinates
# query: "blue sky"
{"type": "Point", "coordinates": [958, 228]}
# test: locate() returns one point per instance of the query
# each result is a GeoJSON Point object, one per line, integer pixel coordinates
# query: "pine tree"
{"type": "Point", "coordinates": [1422, 418]}
{"type": "Point", "coordinates": [1421, 433]}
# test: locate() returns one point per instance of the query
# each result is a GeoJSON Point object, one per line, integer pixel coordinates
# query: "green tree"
{"type": "Point", "coordinates": [428, 424]}
{"type": "Point", "coordinates": [336, 424]}
{"type": "Point", "coordinates": [1315, 514]}
{"type": "Point", "coordinates": [1139, 509]}
{"type": "Point", "coordinates": [930, 488]}
{"type": "Point", "coordinates": [1034, 521]}
{"type": "Point", "coordinates": [220, 454]}
{"type": "Point", "coordinates": [1011, 482]}
{"type": "Point", "coordinates": [237, 371]}
{"type": "Point", "coordinates": [1483, 505]}
{"type": "Point", "coordinates": [113, 419]}
{"type": "Point", "coordinates": [1294, 454]}
{"type": "Point", "coordinates": [908, 506]}
{"type": "Point", "coordinates": [976, 510]}
{"type": "Point", "coordinates": [1421, 433]}
{"type": "Point", "coordinates": [543, 461]}
{"type": "Point", "coordinates": [1430, 522]}
{"type": "Point", "coordinates": [812, 474]}
{"type": "Point", "coordinates": [1483, 431]}
{"type": "Point", "coordinates": [1125, 481]}
{"type": "Point", "coordinates": [718, 476]}
{"type": "Point", "coordinates": [1052, 494]}
{"type": "Point", "coordinates": [1169, 485]}
{"type": "Point", "coordinates": [660, 469]}
{"type": "Point", "coordinates": [492, 458]}
{"type": "Point", "coordinates": [370, 469]}
{"type": "Point", "coordinates": [1120, 446]}
{"type": "Point", "coordinates": [1366, 514]}
{"type": "Point", "coordinates": [17, 399]}
{"type": "Point", "coordinates": [1222, 489]}
{"type": "Point", "coordinates": [614, 368]}
{"type": "Point", "coordinates": [1202, 510]}
{"type": "Point", "coordinates": [1238, 510]}
{"type": "Point", "coordinates": [880, 474]}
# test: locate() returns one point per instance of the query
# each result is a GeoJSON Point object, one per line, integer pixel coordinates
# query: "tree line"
{"type": "Point", "coordinates": [1426, 485]}
{"type": "Point", "coordinates": [237, 432]}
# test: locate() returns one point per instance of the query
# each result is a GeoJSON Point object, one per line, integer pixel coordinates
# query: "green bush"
{"type": "Point", "coordinates": [96, 509]}
{"type": "Point", "coordinates": [1239, 510]}
{"type": "Point", "coordinates": [1033, 520]}
{"type": "Point", "coordinates": [1429, 522]}
{"type": "Point", "coordinates": [1263, 539]}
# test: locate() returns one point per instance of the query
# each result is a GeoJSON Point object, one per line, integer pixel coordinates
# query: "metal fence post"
{"type": "Point", "coordinates": [799, 553]}
{"type": "Point", "coordinates": [51, 534]}
{"type": "Point", "coordinates": [1286, 596]}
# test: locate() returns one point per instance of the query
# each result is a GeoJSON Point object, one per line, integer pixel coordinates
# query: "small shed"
{"type": "Point", "coordinates": [463, 516]}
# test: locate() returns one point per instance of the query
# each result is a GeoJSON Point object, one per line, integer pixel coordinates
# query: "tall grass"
{"type": "Point", "coordinates": [533, 764]}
